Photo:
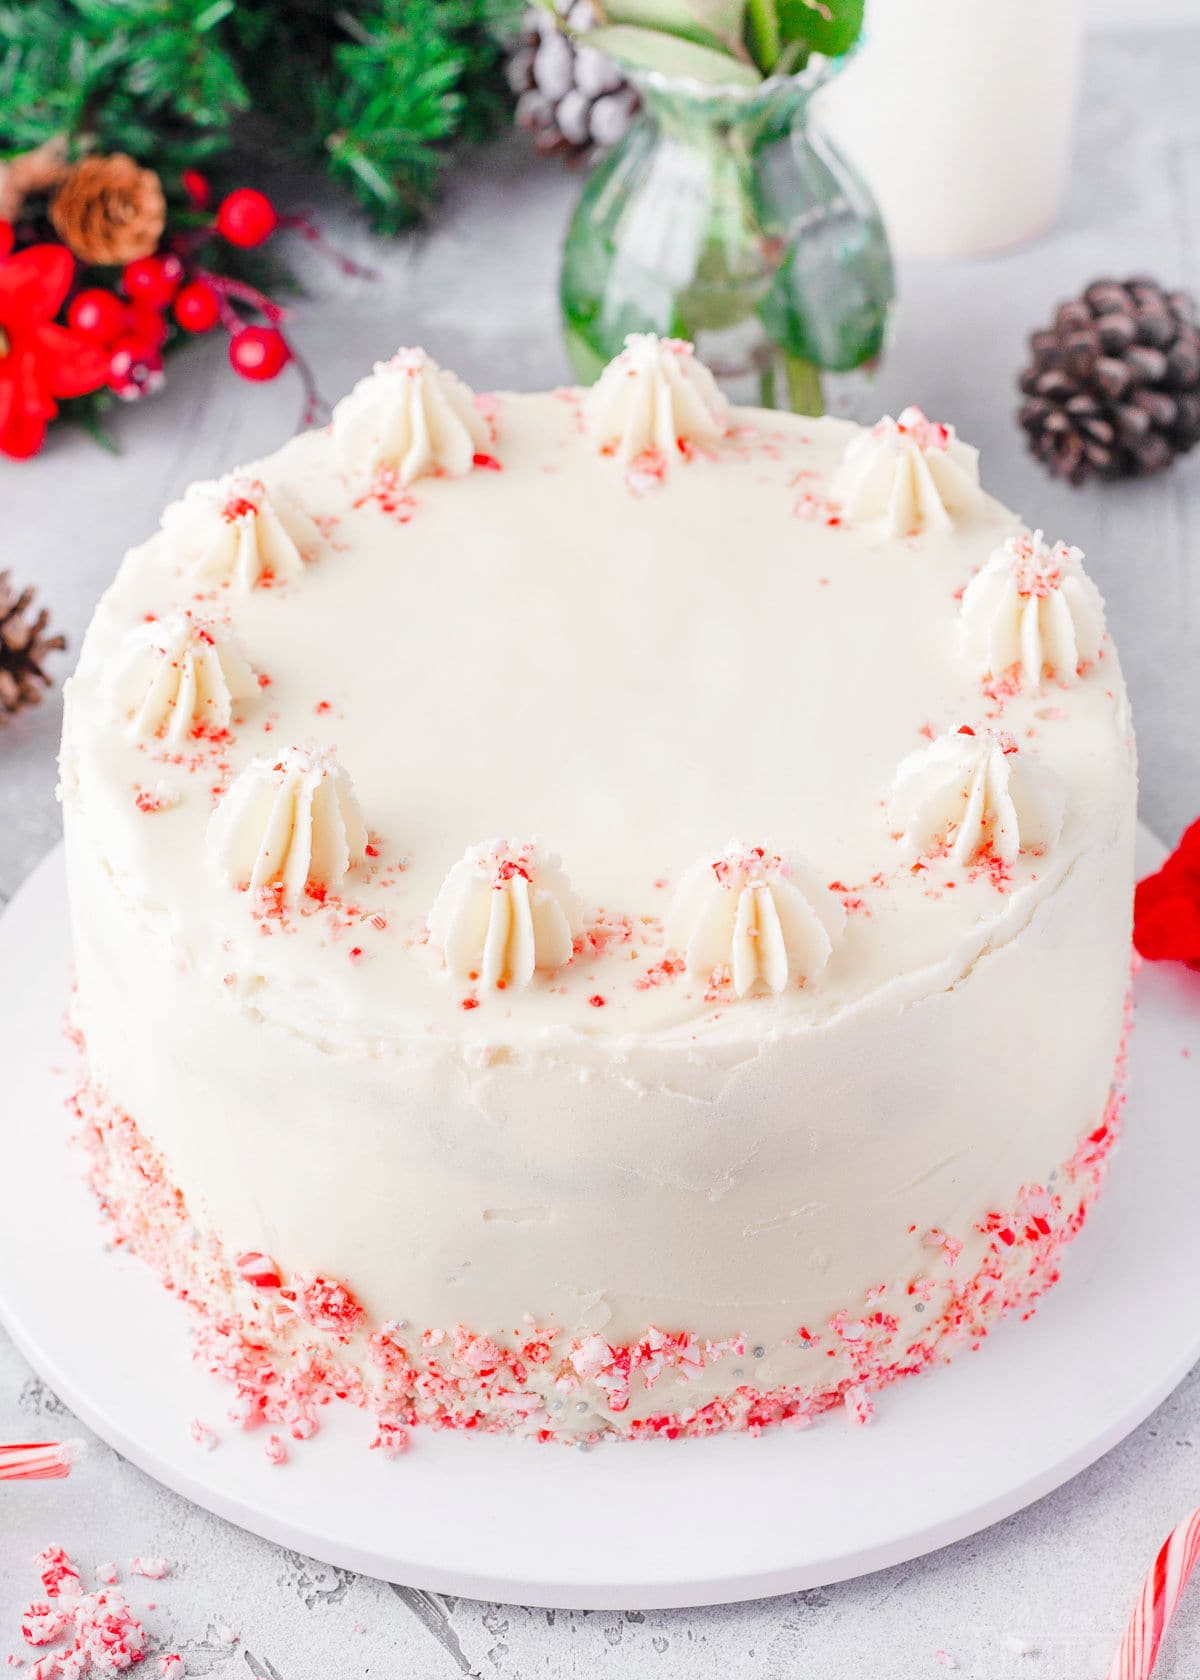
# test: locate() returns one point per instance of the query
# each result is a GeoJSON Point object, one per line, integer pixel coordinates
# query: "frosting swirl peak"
{"type": "Point", "coordinates": [971, 794]}
{"type": "Point", "coordinates": [756, 918]}
{"type": "Point", "coordinates": [656, 397]}
{"type": "Point", "coordinates": [412, 418]}
{"type": "Point", "coordinates": [911, 474]}
{"type": "Point", "coordinates": [504, 911]}
{"type": "Point", "coordinates": [1035, 608]}
{"type": "Point", "coordinates": [290, 822]}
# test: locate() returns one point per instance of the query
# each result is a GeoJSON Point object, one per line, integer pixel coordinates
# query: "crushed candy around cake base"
{"type": "Point", "coordinates": [289, 1345]}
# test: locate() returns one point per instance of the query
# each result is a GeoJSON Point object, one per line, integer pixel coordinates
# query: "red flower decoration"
{"type": "Point", "coordinates": [1166, 906]}
{"type": "Point", "coordinates": [39, 360]}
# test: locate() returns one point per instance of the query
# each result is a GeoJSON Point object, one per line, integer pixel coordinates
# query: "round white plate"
{"type": "Point", "coordinates": [621, 1526]}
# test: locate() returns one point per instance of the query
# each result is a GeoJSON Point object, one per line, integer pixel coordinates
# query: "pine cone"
{"type": "Point", "coordinates": [570, 97]}
{"type": "Point", "coordinates": [109, 211]}
{"type": "Point", "coordinates": [24, 645]}
{"type": "Point", "coordinates": [1113, 389]}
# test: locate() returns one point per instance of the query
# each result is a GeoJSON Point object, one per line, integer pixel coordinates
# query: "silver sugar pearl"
{"type": "Point", "coordinates": [759, 1352]}
{"type": "Point", "coordinates": [581, 1405]}
{"type": "Point", "coordinates": [556, 1405]}
{"type": "Point", "coordinates": [920, 1306]}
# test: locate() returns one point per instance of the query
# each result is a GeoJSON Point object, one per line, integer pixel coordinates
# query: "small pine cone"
{"type": "Point", "coordinates": [24, 645]}
{"type": "Point", "coordinates": [570, 97]}
{"type": "Point", "coordinates": [1113, 387]}
{"type": "Point", "coordinates": [109, 210]}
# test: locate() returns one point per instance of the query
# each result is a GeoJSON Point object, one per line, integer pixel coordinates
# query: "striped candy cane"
{"type": "Point", "coordinates": [1160, 1595]}
{"type": "Point", "coordinates": [37, 1461]}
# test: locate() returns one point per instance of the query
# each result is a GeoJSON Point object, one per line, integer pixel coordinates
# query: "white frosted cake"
{"type": "Point", "coordinates": [596, 913]}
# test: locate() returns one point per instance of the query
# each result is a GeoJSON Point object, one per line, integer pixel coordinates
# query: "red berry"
{"type": "Point", "coordinates": [246, 217]}
{"type": "Point", "coordinates": [259, 352]}
{"type": "Point", "coordinates": [134, 370]}
{"type": "Point", "coordinates": [7, 236]}
{"type": "Point", "coordinates": [197, 188]}
{"type": "Point", "coordinates": [97, 313]}
{"type": "Point", "coordinates": [152, 280]}
{"type": "Point", "coordinates": [144, 327]}
{"type": "Point", "coordinates": [197, 307]}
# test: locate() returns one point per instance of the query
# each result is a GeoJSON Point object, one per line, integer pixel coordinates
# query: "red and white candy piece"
{"type": "Point", "coordinates": [1157, 1604]}
{"type": "Point", "coordinates": [36, 1461]}
{"type": "Point", "coordinates": [259, 1270]}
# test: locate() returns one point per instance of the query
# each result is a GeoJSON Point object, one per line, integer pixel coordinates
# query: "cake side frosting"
{"type": "Point", "coordinates": [616, 1074]}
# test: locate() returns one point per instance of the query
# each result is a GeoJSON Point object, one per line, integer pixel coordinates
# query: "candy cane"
{"type": "Point", "coordinates": [38, 1461]}
{"type": "Point", "coordinates": [1160, 1595]}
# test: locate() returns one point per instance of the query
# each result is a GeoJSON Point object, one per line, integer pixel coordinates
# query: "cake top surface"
{"type": "Point", "coordinates": [485, 718]}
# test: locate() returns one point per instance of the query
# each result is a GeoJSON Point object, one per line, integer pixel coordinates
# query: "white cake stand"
{"type": "Point", "coordinates": [652, 1525]}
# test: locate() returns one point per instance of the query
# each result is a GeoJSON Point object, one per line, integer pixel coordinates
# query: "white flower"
{"type": "Point", "coordinates": [504, 911]}
{"type": "Point", "coordinates": [291, 822]}
{"type": "Point", "coordinates": [410, 417]}
{"type": "Point", "coordinates": [177, 677]}
{"type": "Point", "coordinates": [235, 529]}
{"type": "Point", "coordinates": [1034, 607]}
{"type": "Point", "coordinates": [911, 474]}
{"type": "Point", "coordinates": [656, 396]}
{"type": "Point", "coordinates": [975, 794]}
{"type": "Point", "coordinates": [767, 919]}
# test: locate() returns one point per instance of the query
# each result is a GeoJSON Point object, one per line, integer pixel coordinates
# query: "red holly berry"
{"type": "Point", "coordinates": [97, 313]}
{"type": "Point", "coordinates": [246, 217]}
{"type": "Point", "coordinates": [152, 280]}
{"type": "Point", "coordinates": [145, 327]}
{"type": "Point", "coordinates": [197, 188]}
{"type": "Point", "coordinates": [197, 307]}
{"type": "Point", "coordinates": [259, 352]}
{"type": "Point", "coordinates": [134, 370]}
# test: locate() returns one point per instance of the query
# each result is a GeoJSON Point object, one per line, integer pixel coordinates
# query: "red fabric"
{"type": "Point", "coordinates": [39, 361]}
{"type": "Point", "coordinates": [1166, 906]}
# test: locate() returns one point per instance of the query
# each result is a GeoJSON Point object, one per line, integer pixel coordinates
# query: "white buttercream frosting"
{"type": "Point", "coordinates": [976, 793]}
{"type": "Point", "coordinates": [505, 911]}
{"type": "Point", "coordinates": [759, 919]}
{"type": "Point", "coordinates": [410, 417]}
{"type": "Point", "coordinates": [656, 396]}
{"type": "Point", "coordinates": [291, 821]}
{"type": "Point", "coordinates": [1035, 607]}
{"type": "Point", "coordinates": [237, 530]}
{"type": "Point", "coordinates": [911, 474]}
{"type": "Point", "coordinates": [178, 677]}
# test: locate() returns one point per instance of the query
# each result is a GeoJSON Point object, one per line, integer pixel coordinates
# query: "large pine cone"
{"type": "Point", "coordinates": [570, 97]}
{"type": "Point", "coordinates": [110, 211]}
{"type": "Point", "coordinates": [1113, 389]}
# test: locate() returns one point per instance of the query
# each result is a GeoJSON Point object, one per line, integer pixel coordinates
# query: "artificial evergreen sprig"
{"type": "Point", "coordinates": [377, 91]}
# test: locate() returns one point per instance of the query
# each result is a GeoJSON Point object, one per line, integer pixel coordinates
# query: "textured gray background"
{"type": "Point", "coordinates": [1045, 1593]}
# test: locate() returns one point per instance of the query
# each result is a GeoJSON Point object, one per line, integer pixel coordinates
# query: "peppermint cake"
{"type": "Point", "coordinates": [596, 913]}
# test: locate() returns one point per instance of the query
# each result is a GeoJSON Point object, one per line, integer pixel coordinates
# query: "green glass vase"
{"type": "Point", "coordinates": [727, 217]}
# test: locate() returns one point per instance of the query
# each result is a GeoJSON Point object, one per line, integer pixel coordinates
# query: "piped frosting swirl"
{"type": "Point", "coordinates": [412, 418]}
{"type": "Point", "coordinates": [762, 920]}
{"type": "Point", "coordinates": [1033, 607]}
{"type": "Point", "coordinates": [178, 677]}
{"type": "Point", "coordinates": [910, 474]}
{"type": "Point", "coordinates": [973, 794]}
{"type": "Point", "coordinates": [504, 911]}
{"type": "Point", "coordinates": [655, 397]}
{"type": "Point", "coordinates": [236, 530]}
{"type": "Point", "coordinates": [290, 822]}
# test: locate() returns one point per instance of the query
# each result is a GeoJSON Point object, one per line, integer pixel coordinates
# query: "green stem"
{"type": "Point", "coordinates": [762, 32]}
{"type": "Point", "coordinates": [804, 385]}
